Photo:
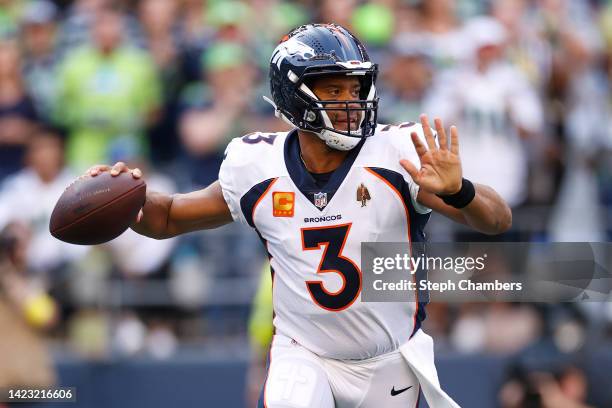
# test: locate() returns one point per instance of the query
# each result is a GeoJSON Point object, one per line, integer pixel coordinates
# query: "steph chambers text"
{"type": "Point", "coordinates": [447, 286]}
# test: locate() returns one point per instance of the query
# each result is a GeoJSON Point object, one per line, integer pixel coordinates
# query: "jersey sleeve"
{"type": "Point", "coordinates": [228, 179]}
{"type": "Point", "coordinates": [243, 174]}
{"type": "Point", "coordinates": [403, 143]}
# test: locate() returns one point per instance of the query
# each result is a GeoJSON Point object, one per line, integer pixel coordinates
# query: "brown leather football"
{"type": "Point", "coordinates": [94, 210]}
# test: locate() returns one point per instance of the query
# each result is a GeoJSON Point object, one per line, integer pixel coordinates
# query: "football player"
{"type": "Point", "coordinates": [297, 191]}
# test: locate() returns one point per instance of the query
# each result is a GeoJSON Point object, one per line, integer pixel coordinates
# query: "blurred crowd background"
{"type": "Point", "coordinates": [165, 84]}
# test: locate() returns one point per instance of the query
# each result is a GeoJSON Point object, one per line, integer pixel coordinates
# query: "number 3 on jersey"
{"type": "Point", "coordinates": [255, 137]}
{"type": "Point", "coordinates": [332, 239]}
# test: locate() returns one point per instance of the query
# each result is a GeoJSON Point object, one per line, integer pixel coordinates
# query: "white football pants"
{"type": "Point", "coordinates": [298, 378]}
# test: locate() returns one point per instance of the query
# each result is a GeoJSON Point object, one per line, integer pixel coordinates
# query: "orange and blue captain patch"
{"type": "Point", "coordinates": [283, 203]}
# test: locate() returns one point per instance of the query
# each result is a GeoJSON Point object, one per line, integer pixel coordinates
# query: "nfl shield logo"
{"type": "Point", "coordinates": [320, 200]}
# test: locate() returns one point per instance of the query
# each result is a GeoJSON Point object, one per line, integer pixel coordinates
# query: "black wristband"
{"type": "Point", "coordinates": [461, 198]}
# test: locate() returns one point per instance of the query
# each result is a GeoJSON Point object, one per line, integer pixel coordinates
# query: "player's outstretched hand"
{"type": "Point", "coordinates": [115, 170]}
{"type": "Point", "coordinates": [440, 171]}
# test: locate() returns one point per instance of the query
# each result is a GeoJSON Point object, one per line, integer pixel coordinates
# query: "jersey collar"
{"type": "Point", "coordinates": [304, 180]}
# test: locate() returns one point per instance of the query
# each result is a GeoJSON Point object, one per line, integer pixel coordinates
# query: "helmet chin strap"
{"type": "Point", "coordinates": [337, 141]}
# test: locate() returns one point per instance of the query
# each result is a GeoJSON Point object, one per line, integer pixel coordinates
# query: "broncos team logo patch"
{"type": "Point", "coordinates": [283, 203]}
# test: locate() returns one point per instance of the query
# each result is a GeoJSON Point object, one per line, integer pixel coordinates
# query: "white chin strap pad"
{"type": "Point", "coordinates": [338, 141]}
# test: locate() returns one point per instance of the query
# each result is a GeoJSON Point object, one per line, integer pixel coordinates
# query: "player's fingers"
{"type": "Point", "coordinates": [418, 145]}
{"type": "Point", "coordinates": [97, 169]}
{"type": "Point", "coordinates": [140, 215]}
{"type": "Point", "coordinates": [410, 168]}
{"type": "Point", "coordinates": [429, 138]}
{"type": "Point", "coordinates": [454, 148]}
{"type": "Point", "coordinates": [136, 173]}
{"type": "Point", "coordinates": [118, 168]}
{"type": "Point", "coordinates": [441, 134]}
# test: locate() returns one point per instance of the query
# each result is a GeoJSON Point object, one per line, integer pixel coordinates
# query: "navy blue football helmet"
{"type": "Point", "coordinates": [323, 49]}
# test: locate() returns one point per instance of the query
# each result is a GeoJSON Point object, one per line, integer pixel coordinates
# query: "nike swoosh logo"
{"type": "Point", "coordinates": [394, 392]}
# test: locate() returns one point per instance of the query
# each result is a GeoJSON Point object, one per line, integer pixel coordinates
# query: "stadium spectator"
{"type": "Point", "coordinates": [39, 29]}
{"type": "Point", "coordinates": [109, 93]}
{"type": "Point", "coordinates": [157, 18]}
{"type": "Point", "coordinates": [17, 113]}
{"type": "Point", "coordinates": [9, 16]}
{"type": "Point", "coordinates": [230, 20]}
{"type": "Point", "coordinates": [77, 23]}
{"type": "Point", "coordinates": [603, 159]}
{"type": "Point", "coordinates": [337, 11]}
{"type": "Point", "coordinates": [577, 107]}
{"type": "Point", "coordinates": [439, 28]}
{"type": "Point", "coordinates": [28, 197]}
{"type": "Point", "coordinates": [405, 82]}
{"type": "Point", "coordinates": [510, 327]}
{"type": "Point", "coordinates": [216, 108]}
{"type": "Point", "coordinates": [76, 27]}
{"type": "Point", "coordinates": [528, 50]}
{"type": "Point", "coordinates": [276, 18]}
{"type": "Point", "coordinates": [195, 36]}
{"type": "Point", "coordinates": [497, 108]}
{"type": "Point", "coordinates": [192, 13]}
{"type": "Point", "coordinates": [162, 39]}
{"type": "Point", "coordinates": [374, 22]}
{"type": "Point", "coordinates": [525, 46]}
{"type": "Point", "coordinates": [25, 309]}
{"type": "Point", "coordinates": [541, 388]}
{"type": "Point", "coordinates": [279, 17]}
{"type": "Point", "coordinates": [468, 333]}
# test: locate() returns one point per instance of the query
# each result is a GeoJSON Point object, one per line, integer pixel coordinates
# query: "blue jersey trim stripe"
{"type": "Point", "coordinates": [417, 234]}
{"type": "Point", "coordinates": [250, 199]}
{"type": "Point", "coordinates": [272, 272]}
{"type": "Point", "coordinates": [417, 220]}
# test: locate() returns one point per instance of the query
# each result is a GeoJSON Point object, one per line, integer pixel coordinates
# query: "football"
{"type": "Point", "coordinates": [94, 210]}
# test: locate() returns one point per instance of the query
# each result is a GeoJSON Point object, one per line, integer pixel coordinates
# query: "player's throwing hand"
{"type": "Point", "coordinates": [440, 171]}
{"type": "Point", "coordinates": [118, 168]}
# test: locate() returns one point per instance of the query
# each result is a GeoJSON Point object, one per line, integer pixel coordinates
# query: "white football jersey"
{"type": "Point", "coordinates": [313, 235]}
